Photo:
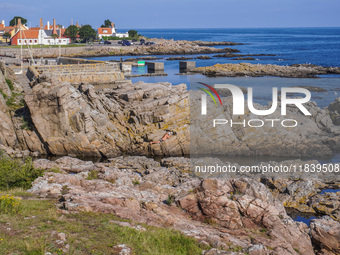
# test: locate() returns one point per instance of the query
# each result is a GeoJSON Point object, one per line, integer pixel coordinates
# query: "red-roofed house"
{"type": "Point", "coordinates": [110, 31]}
{"type": "Point", "coordinates": [104, 31]}
{"type": "Point", "coordinates": [39, 36]}
{"type": "Point", "coordinates": [26, 37]}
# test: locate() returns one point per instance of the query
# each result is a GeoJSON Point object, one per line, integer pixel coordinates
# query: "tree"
{"type": "Point", "coordinates": [14, 21]}
{"type": "Point", "coordinates": [133, 33]}
{"type": "Point", "coordinates": [107, 23]}
{"type": "Point", "coordinates": [55, 36]}
{"type": "Point", "coordinates": [7, 36]}
{"type": "Point", "coordinates": [72, 32]}
{"type": "Point", "coordinates": [87, 33]}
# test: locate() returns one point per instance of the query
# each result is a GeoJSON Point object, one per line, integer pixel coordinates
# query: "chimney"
{"type": "Point", "coordinates": [54, 28]}
{"type": "Point", "coordinates": [112, 25]}
{"type": "Point", "coordinates": [3, 22]}
{"type": "Point", "coordinates": [48, 25]}
{"type": "Point", "coordinates": [41, 24]}
{"type": "Point", "coordinates": [19, 22]}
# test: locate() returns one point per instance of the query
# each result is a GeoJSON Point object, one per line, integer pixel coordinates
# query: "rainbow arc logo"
{"type": "Point", "coordinates": [209, 93]}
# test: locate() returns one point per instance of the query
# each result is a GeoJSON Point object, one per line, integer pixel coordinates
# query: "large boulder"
{"type": "Point", "coordinates": [122, 120]}
{"type": "Point", "coordinates": [334, 109]}
{"type": "Point", "coordinates": [325, 233]}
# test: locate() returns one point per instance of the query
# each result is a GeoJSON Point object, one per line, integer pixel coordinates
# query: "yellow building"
{"type": "Point", "coordinates": [10, 29]}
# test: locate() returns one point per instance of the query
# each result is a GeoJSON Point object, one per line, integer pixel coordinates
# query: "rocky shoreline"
{"type": "Point", "coordinates": [258, 70]}
{"type": "Point", "coordinates": [162, 47]}
{"type": "Point", "coordinates": [58, 118]}
{"type": "Point", "coordinates": [244, 215]}
{"type": "Point", "coordinates": [226, 214]}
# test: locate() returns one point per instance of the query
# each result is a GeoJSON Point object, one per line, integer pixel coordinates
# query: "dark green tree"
{"type": "Point", "coordinates": [133, 33]}
{"type": "Point", "coordinates": [7, 36]}
{"type": "Point", "coordinates": [72, 32]}
{"type": "Point", "coordinates": [87, 33]}
{"type": "Point", "coordinates": [107, 23]}
{"type": "Point", "coordinates": [14, 21]}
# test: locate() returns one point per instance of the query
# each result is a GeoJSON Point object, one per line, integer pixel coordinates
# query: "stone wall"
{"type": "Point", "coordinates": [70, 61]}
{"type": "Point", "coordinates": [95, 73]}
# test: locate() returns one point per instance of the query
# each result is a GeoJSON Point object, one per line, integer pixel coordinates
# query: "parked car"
{"type": "Point", "coordinates": [107, 42]}
{"type": "Point", "coordinates": [126, 43]}
{"type": "Point", "coordinates": [120, 42]}
{"type": "Point", "coordinates": [101, 42]}
{"type": "Point", "coordinates": [149, 43]}
{"type": "Point", "coordinates": [141, 41]}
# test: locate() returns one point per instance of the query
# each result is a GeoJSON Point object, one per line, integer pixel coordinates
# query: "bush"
{"type": "Point", "coordinates": [10, 84]}
{"type": "Point", "coordinates": [133, 33]}
{"type": "Point", "coordinates": [3, 94]}
{"type": "Point", "coordinates": [9, 204]}
{"type": "Point", "coordinates": [15, 173]}
{"type": "Point", "coordinates": [92, 175]}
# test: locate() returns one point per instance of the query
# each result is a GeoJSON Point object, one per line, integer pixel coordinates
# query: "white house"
{"type": "Point", "coordinates": [110, 31]}
{"type": "Point", "coordinates": [39, 36]}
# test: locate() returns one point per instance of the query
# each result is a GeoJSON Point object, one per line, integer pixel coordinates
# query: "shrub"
{"type": "Point", "coordinates": [10, 84]}
{"type": "Point", "coordinates": [26, 125]}
{"type": "Point", "coordinates": [3, 94]}
{"type": "Point", "coordinates": [169, 200]}
{"type": "Point", "coordinates": [15, 173]}
{"type": "Point", "coordinates": [9, 204]}
{"type": "Point", "coordinates": [92, 175]}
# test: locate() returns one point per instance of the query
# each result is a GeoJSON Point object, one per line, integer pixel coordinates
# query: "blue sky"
{"type": "Point", "coordinates": [179, 13]}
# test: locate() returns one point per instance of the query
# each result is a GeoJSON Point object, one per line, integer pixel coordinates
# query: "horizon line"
{"type": "Point", "coordinates": [228, 27]}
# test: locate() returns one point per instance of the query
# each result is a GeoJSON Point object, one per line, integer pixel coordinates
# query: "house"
{"type": "Point", "coordinates": [35, 36]}
{"type": "Point", "coordinates": [10, 30]}
{"type": "Point", "coordinates": [110, 31]}
{"type": "Point", "coordinates": [104, 31]}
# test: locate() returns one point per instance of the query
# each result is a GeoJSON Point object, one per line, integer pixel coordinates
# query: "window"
{"type": "Point", "coordinates": [35, 41]}
{"type": "Point", "coordinates": [30, 41]}
{"type": "Point", "coordinates": [19, 41]}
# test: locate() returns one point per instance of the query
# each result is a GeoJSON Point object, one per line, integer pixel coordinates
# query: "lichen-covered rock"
{"type": "Point", "coordinates": [122, 120]}
{"type": "Point", "coordinates": [256, 70]}
{"type": "Point", "coordinates": [229, 215]}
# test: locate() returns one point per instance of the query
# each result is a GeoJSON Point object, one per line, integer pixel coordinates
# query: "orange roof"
{"type": "Point", "coordinates": [29, 34]}
{"type": "Point", "coordinates": [34, 28]}
{"type": "Point", "coordinates": [105, 31]}
{"type": "Point", "coordinates": [2, 26]}
{"type": "Point", "coordinates": [8, 29]}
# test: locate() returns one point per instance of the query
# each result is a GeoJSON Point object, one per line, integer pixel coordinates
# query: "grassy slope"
{"type": "Point", "coordinates": [86, 233]}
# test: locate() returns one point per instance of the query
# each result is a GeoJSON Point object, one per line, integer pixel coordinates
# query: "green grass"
{"type": "Point", "coordinates": [10, 84]}
{"type": "Point", "coordinates": [86, 233]}
{"type": "Point", "coordinates": [92, 175]}
{"type": "Point", "coordinates": [3, 94]}
{"type": "Point", "coordinates": [15, 173]}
